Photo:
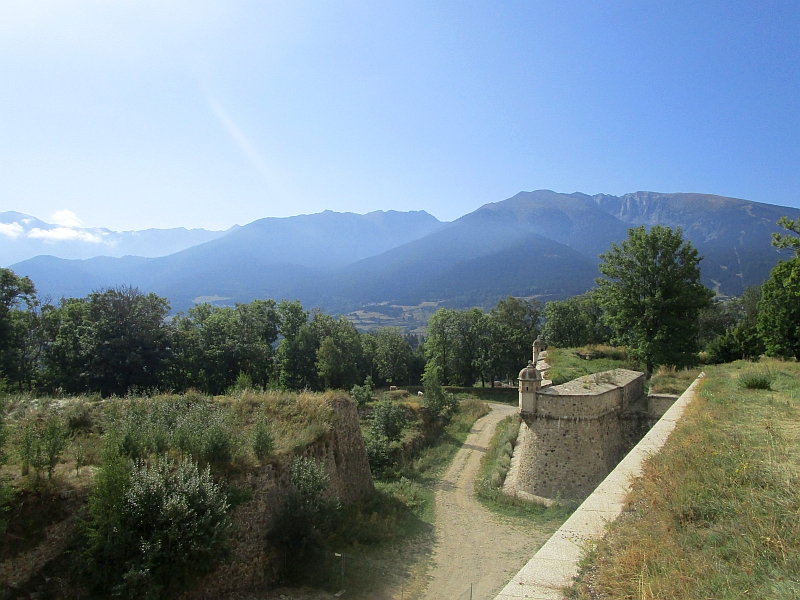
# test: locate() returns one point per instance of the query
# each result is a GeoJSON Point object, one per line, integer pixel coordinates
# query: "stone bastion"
{"type": "Point", "coordinates": [574, 434]}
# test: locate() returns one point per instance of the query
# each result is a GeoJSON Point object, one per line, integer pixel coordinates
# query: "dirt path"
{"type": "Point", "coordinates": [472, 544]}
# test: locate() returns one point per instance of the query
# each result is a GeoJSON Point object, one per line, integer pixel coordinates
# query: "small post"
{"type": "Point", "coordinates": [470, 591]}
{"type": "Point", "coordinates": [340, 555]}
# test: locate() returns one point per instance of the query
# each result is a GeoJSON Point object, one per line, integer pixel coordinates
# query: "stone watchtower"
{"type": "Point", "coordinates": [530, 380]}
{"type": "Point", "coordinates": [538, 346]}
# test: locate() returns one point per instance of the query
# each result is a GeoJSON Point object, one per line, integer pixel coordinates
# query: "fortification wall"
{"type": "Point", "coordinates": [251, 566]}
{"type": "Point", "coordinates": [591, 396]}
{"type": "Point", "coordinates": [578, 433]}
{"type": "Point", "coordinates": [568, 458]}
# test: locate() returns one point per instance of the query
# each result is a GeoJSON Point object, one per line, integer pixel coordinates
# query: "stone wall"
{"type": "Point", "coordinates": [578, 433]}
{"type": "Point", "coordinates": [591, 396]}
{"type": "Point", "coordinates": [251, 566]}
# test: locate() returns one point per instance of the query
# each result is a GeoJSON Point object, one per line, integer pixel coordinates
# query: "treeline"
{"type": "Point", "coordinates": [120, 340]}
{"type": "Point", "coordinates": [117, 341]}
{"type": "Point", "coordinates": [650, 300]}
{"type": "Point", "coordinates": [467, 346]}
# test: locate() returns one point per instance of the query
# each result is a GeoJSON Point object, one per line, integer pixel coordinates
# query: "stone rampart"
{"type": "Point", "coordinates": [591, 396]}
{"type": "Point", "coordinates": [577, 433]}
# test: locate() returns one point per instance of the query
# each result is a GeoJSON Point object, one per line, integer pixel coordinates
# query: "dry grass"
{"type": "Point", "coordinates": [669, 380]}
{"type": "Point", "coordinates": [716, 512]}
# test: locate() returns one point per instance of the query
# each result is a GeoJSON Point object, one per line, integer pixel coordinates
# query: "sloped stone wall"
{"type": "Point", "coordinates": [579, 433]}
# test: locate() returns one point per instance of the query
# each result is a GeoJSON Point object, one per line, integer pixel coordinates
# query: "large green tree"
{"type": "Point", "coordinates": [514, 327]}
{"type": "Point", "coordinates": [216, 344]}
{"type": "Point", "coordinates": [563, 326]}
{"type": "Point", "coordinates": [18, 323]}
{"type": "Point", "coordinates": [779, 310]}
{"type": "Point", "coordinates": [339, 354]}
{"type": "Point", "coordinates": [126, 340]}
{"type": "Point", "coordinates": [651, 295]}
{"type": "Point", "coordinates": [392, 355]}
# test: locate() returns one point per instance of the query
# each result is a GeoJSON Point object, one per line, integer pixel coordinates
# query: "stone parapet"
{"type": "Point", "coordinates": [592, 396]}
{"type": "Point", "coordinates": [553, 568]}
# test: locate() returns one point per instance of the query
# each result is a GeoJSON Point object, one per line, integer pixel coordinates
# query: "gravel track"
{"type": "Point", "coordinates": [473, 545]}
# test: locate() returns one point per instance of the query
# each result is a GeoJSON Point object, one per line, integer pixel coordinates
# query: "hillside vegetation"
{"type": "Point", "coordinates": [154, 495]}
{"type": "Point", "coordinates": [715, 514]}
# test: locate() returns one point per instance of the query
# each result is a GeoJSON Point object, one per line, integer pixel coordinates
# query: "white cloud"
{"type": "Point", "coordinates": [66, 218]}
{"type": "Point", "coordinates": [61, 234]}
{"type": "Point", "coordinates": [12, 230]}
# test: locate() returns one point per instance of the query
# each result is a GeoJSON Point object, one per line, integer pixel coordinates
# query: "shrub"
{"type": "Point", "coordinates": [301, 527]}
{"type": "Point", "coordinates": [437, 401]}
{"type": "Point", "coordinates": [388, 419]}
{"type": "Point", "coordinates": [243, 383]}
{"type": "Point", "coordinates": [263, 440]}
{"type": "Point", "coordinates": [379, 452]}
{"type": "Point", "coordinates": [362, 394]}
{"type": "Point", "coordinates": [757, 380]}
{"type": "Point", "coordinates": [153, 526]}
{"type": "Point", "coordinates": [40, 442]}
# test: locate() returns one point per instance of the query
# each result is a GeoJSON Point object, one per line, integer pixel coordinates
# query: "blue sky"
{"type": "Point", "coordinates": [204, 113]}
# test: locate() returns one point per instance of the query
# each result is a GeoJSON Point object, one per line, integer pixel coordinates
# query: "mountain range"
{"type": "Point", "coordinates": [23, 236]}
{"type": "Point", "coordinates": [542, 243]}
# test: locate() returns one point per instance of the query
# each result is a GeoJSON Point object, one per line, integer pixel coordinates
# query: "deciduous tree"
{"type": "Point", "coordinates": [651, 295]}
{"type": "Point", "coordinates": [779, 310]}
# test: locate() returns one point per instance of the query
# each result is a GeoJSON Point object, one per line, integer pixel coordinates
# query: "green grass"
{"type": "Point", "coordinates": [566, 364]}
{"type": "Point", "coordinates": [715, 514]}
{"type": "Point", "coordinates": [757, 380]}
{"type": "Point", "coordinates": [669, 380]}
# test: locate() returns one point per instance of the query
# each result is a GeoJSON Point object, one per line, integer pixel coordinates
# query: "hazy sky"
{"type": "Point", "coordinates": [205, 113]}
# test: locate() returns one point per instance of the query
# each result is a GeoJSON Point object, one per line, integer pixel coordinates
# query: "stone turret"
{"type": "Point", "coordinates": [538, 346]}
{"type": "Point", "coordinates": [530, 380]}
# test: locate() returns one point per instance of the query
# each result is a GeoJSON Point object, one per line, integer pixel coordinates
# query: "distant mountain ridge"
{"type": "Point", "coordinates": [24, 236]}
{"type": "Point", "coordinates": [542, 243]}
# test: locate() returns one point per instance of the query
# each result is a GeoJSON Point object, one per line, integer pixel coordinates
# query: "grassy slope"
{"type": "Point", "coordinates": [373, 532]}
{"type": "Point", "coordinates": [716, 513]}
{"type": "Point", "coordinates": [566, 365]}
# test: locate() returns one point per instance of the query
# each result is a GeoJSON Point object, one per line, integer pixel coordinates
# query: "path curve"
{"type": "Point", "coordinates": [473, 545]}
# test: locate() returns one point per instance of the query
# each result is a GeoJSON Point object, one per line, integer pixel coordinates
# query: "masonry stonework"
{"type": "Point", "coordinates": [574, 434]}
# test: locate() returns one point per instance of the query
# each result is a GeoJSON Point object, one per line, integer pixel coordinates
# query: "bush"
{"type": "Point", "coordinates": [437, 401]}
{"type": "Point", "coordinates": [243, 383]}
{"type": "Point", "coordinates": [388, 419]}
{"type": "Point", "coordinates": [735, 344]}
{"type": "Point", "coordinates": [54, 441]}
{"type": "Point", "coordinates": [362, 394]}
{"type": "Point", "coordinates": [757, 380]}
{"type": "Point", "coordinates": [379, 452]}
{"type": "Point", "coordinates": [41, 441]}
{"type": "Point", "coordinates": [263, 440]}
{"type": "Point", "coordinates": [153, 526]}
{"type": "Point", "coordinates": [301, 528]}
